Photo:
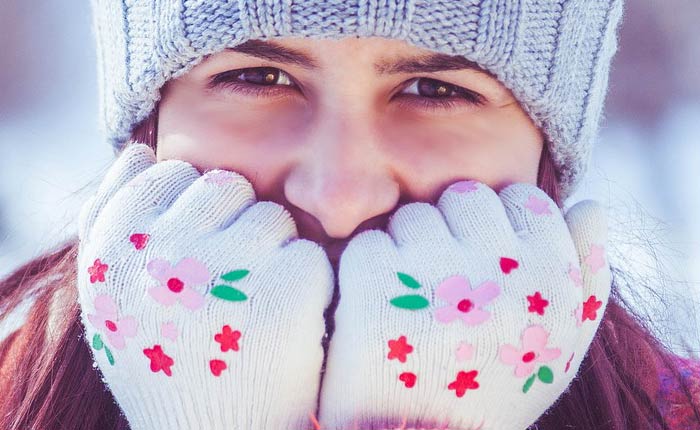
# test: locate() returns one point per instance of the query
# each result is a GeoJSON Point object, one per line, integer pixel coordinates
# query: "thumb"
{"type": "Point", "coordinates": [588, 224]}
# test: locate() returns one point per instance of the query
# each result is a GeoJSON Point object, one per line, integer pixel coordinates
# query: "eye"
{"type": "Point", "coordinates": [428, 94]}
{"type": "Point", "coordinates": [256, 81]}
{"type": "Point", "coordinates": [432, 94]}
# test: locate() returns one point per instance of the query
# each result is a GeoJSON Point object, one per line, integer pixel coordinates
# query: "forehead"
{"type": "Point", "coordinates": [386, 56]}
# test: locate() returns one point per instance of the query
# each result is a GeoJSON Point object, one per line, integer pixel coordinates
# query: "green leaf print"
{"type": "Point", "coordinates": [97, 342]}
{"type": "Point", "coordinates": [410, 302]}
{"type": "Point", "coordinates": [408, 280]}
{"type": "Point", "coordinates": [528, 383]}
{"type": "Point", "coordinates": [228, 293]}
{"type": "Point", "coordinates": [545, 374]}
{"type": "Point", "coordinates": [235, 275]}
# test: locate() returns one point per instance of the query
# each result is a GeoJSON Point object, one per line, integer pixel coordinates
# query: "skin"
{"type": "Point", "coordinates": [342, 147]}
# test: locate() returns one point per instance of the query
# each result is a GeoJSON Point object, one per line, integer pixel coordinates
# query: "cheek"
{"type": "Point", "coordinates": [220, 134]}
{"type": "Point", "coordinates": [431, 158]}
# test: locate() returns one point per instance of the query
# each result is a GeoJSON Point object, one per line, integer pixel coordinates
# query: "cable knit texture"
{"type": "Point", "coordinates": [554, 55]}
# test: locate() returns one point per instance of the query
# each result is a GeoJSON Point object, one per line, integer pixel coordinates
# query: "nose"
{"type": "Point", "coordinates": [342, 176]}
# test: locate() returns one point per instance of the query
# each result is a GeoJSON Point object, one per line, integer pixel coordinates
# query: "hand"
{"type": "Point", "coordinates": [201, 308]}
{"type": "Point", "coordinates": [472, 314]}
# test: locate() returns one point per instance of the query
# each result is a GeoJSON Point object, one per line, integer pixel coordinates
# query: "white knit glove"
{"type": "Point", "coordinates": [474, 314]}
{"type": "Point", "coordinates": [201, 309]}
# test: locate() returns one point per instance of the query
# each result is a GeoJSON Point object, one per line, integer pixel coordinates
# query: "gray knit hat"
{"type": "Point", "coordinates": [554, 55]}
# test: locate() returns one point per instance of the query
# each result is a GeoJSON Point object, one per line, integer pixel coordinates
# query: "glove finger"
{"type": "Point", "coordinates": [134, 159]}
{"type": "Point", "coordinates": [418, 223]}
{"type": "Point", "coordinates": [211, 203]}
{"type": "Point", "coordinates": [261, 228]}
{"type": "Point", "coordinates": [475, 215]}
{"type": "Point", "coordinates": [533, 214]}
{"type": "Point", "coordinates": [134, 207]}
{"type": "Point", "coordinates": [587, 223]}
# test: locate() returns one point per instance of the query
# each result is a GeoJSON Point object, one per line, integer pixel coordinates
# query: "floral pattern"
{"type": "Point", "coordinates": [465, 303]}
{"type": "Point", "coordinates": [176, 282]}
{"type": "Point", "coordinates": [532, 352]}
{"type": "Point", "coordinates": [106, 320]}
{"type": "Point", "coordinates": [97, 271]}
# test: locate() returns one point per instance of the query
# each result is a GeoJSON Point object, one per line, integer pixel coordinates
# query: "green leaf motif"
{"type": "Point", "coordinates": [97, 342]}
{"type": "Point", "coordinates": [231, 294]}
{"type": "Point", "coordinates": [408, 280]}
{"type": "Point", "coordinates": [410, 302]}
{"type": "Point", "coordinates": [110, 358]}
{"type": "Point", "coordinates": [235, 275]}
{"type": "Point", "coordinates": [528, 383]}
{"type": "Point", "coordinates": [545, 374]}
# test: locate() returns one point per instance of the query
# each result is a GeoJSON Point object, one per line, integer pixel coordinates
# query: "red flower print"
{"type": "Point", "coordinates": [590, 308]}
{"type": "Point", "coordinates": [217, 366]}
{"type": "Point", "coordinates": [537, 303]}
{"type": "Point", "coordinates": [465, 381]}
{"type": "Point", "coordinates": [159, 360]}
{"type": "Point", "coordinates": [97, 271]}
{"type": "Point", "coordinates": [398, 349]}
{"type": "Point", "coordinates": [139, 240]}
{"type": "Point", "coordinates": [568, 363]}
{"type": "Point", "coordinates": [228, 339]}
{"type": "Point", "coordinates": [408, 378]}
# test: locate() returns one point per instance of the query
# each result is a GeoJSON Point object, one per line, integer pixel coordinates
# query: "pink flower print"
{"type": "Point", "coordinates": [169, 330]}
{"type": "Point", "coordinates": [596, 258]}
{"type": "Point", "coordinates": [575, 275]}
{"type": "Point", "coordinates": [533, 351]}
{"type": "Point", "coordinates": [463, 187]}
{"type": "Point", "coordinates": [578, 315]}
{"type": "Point", "coordinates": [176, 282]}
{"type": "Point", "coordinates": [219, 177]}
{"type": "Point", "coordinates": [538, 206]}
{"type": "Point", "coordinates": [97, 271]}
{"type": "Point", "coordinates": [106, 320]}
{"type": "Point", "coordinates": [464, 351]}
{"type": "Point", "coordinates": [464, 302]}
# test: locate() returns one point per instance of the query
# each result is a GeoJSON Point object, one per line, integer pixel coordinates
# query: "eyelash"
{"type": "Point", "coordinates": [229, 81]}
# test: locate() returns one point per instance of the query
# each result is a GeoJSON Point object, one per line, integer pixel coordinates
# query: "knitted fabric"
{"type": "Point", "coordinates": [554, 55]}
{"type": "Point", "coordinates": [200, 309]}
{"type": "Point", "coordinates": [476, 313]}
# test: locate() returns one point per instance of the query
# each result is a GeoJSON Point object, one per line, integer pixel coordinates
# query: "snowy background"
{"type": "Point", "coordinates": [646, 164]}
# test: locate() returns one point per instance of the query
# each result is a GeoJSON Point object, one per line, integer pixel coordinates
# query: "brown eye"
{"type": "Point", "coordinates": [431, 94]}
{"type": "Point", "coordinates": [257, 81]}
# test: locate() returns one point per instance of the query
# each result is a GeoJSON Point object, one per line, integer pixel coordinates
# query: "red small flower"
{"type": "Point", "coordinates": [159, 360]}
{"type": "Point", "coordinates": [217, 366]}
{"type": "Point", "coordinates": [590, 307]}
{"type": "Point", "coordinates": [97, 271]}
{"type": "Point", "coordinates": [398, 349]}
{"type": "Point", "coordinates": [228, 339]}
{"type": "Point", "coordinates": [408, 378]}
{"type": "Point", "coordinates": [537, 303]}
{"type": "Point", "coordinates": [465, 381]}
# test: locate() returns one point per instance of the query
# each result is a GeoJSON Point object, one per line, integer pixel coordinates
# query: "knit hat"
{"type": "Point", "coordinates": [554, 55]}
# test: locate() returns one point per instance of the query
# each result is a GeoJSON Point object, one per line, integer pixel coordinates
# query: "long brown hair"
{"type": "Point", "coordinates": [48, 381]}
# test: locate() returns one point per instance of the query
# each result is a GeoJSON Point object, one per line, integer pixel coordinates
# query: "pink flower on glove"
{"type": "Point", "coordinates": [533, 351]}
{"type": "Point", "coordinates": [465, 303]}
{"type": "Point", "coordinates": [176, 282]}
{"type": "Point", "coordinates": [105, 319]}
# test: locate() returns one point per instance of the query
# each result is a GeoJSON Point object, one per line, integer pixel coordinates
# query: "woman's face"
{"type": "Point", "coordinates": [342, 132]}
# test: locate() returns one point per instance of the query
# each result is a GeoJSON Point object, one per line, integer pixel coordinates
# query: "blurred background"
{"type": "Point", "coordinates": [646, 167]}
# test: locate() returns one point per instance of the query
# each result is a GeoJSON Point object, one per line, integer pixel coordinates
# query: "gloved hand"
{"type": "Point", "coordinates": [472, 314]}
{"type": "Point", "coordinates": [201, 309]}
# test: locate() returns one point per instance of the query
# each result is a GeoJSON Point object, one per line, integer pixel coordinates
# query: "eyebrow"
{"type": "Point", "coordinates": [428, 63]}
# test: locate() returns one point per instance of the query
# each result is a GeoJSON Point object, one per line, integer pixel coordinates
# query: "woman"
{"type": "Point", "coordinates": [341, 133]}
